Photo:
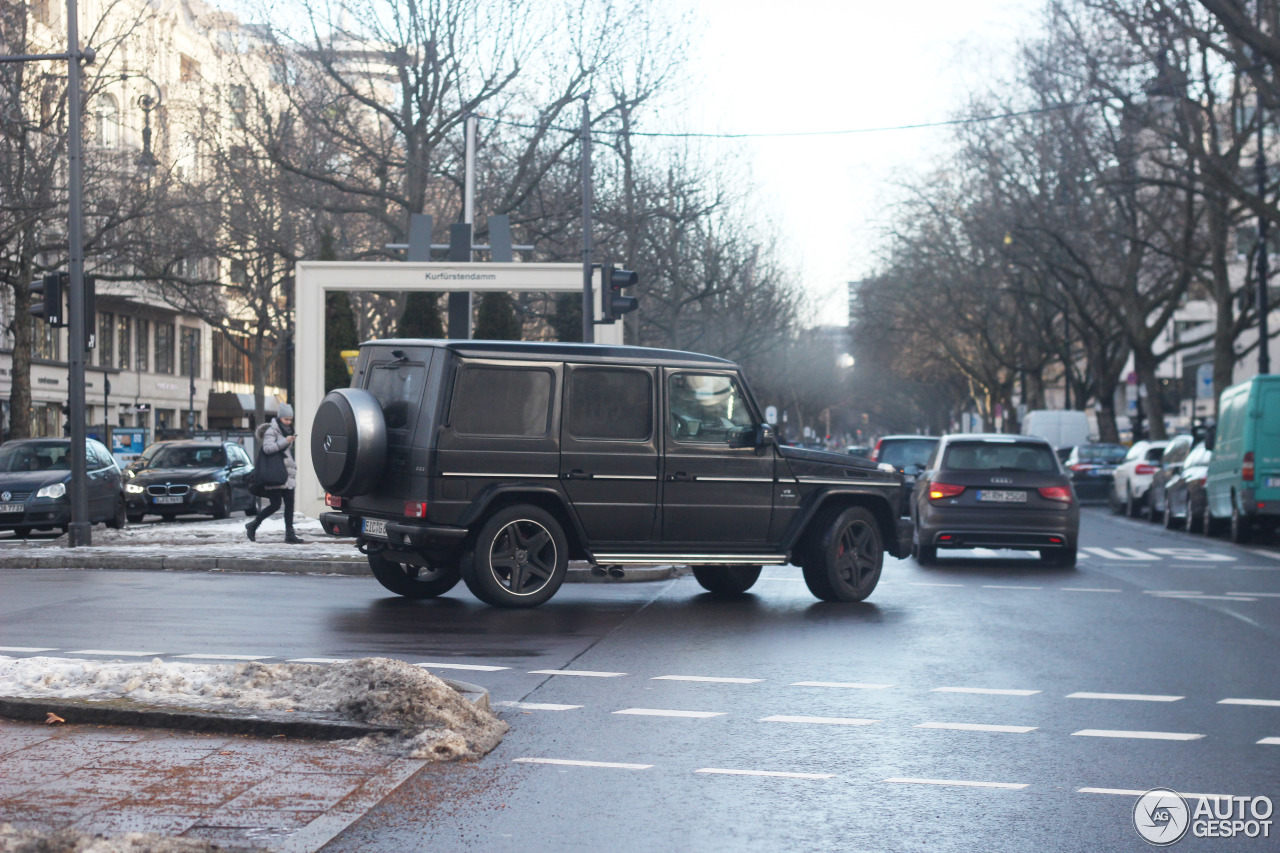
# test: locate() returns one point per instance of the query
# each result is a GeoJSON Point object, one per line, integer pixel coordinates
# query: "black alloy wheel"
{"type": "Point", "coordinates": [1170, 520]}
{"type": "Point", "coordinates": [519, 559]}
{"type": "Point", "coordinates": [726, 580]}
{"type": "Point", "coordinates": [221, 508]}
{"type": "Point", "coordinates": [844, 563]}
{"type": "Point", "coordinates": [413, 581]}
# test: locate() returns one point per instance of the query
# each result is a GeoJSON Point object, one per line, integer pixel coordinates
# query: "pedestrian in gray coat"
{"type": "Point", "coordinates": [277, 436]}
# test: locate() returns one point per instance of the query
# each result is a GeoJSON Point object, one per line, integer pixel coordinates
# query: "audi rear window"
{"type": "Point", "coordinates": [993, 456]}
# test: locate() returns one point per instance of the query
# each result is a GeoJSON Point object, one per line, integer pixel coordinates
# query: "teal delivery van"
{"type": "Point", "coordinates": [1244, 475]}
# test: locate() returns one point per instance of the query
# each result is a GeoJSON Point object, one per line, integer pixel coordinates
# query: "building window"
{"type": "Point", "coordinates": [142, 365]}
{"type": "Point", "coordinates": [164, 348]}
{"type": "Point", "coordinates": [107, 121]}
{"type": "Point", "coordinates": [122, 342]}
{"type": "Point", "coordinates": [44, 340]}
{"type": "Point", "coordinates": [189, 363]}
{"type": "Point", "coordinates": [40, 10]}
{"type": "Point", "coordinates": [239, 106]}
{"type": "Point", "coordinates": [189, 69]}
{"type": "Point", "coordinates": [106, 339]}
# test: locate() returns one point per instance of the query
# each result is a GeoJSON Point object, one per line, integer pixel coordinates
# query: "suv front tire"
{"type": "Point", "coordinates": [844, 563]}
{"type": "Point", "coordinates": [519, 558]}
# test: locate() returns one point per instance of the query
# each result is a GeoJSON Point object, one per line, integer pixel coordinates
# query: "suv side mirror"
{"type": "Point", "coordinates": [765, 435]}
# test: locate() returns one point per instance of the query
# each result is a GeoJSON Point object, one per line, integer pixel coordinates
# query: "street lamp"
{"type": "Point", "coordinates": [146, 161]}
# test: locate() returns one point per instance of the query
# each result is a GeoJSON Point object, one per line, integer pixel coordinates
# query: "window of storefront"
{"type": "Point", "coordinates": [164, 348]}
{"type": "Point", "coordinates": [106, 339]}
{"type": "Point", "coordinates": [45, 340]}
{"type": "Point", "coordinates": [144, 348]}
{"type": "Point", "coordinates": [123, 327]}
{"type": "Point", "coordinates": [46, 420]}
{"type": "Point", "coordinates": [189, 363]}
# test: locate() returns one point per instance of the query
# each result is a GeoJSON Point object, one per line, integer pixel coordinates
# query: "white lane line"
{"type": "Point", "coordinates": [568, 763]}
{"type": "Point", "coordinates": [976, 727]}
{"type": "Point", "coordinates": [1136, 735]}
{"type": "Point", "coordinates": [318, 660]}
{"type": "Point", "coordinates": [1269, 554]}
{"type": "Point", "coordinates": [706, 678]}
{"type": "Point", "coordinates": [1126, 697]}
{"type": "Point", "coordinates": [825, 721]}
{"type": "Point", "coordinates": [924, 583]}
{"type": "Point", "coordinates": [223, 657]}
{"type": "Point", "coordinates": [776, 773]}
{"type": "Point", "coordinates": [474, 667]}
{"type": "Point", "coordinates": [1086, 589]}
{"type": "Point", "coordinates": [1261, 703]}
{"type": "Point", "coordinates": [847, 685]}
{"type": "Point", "coordinates": [585, 673]}
{"type": "Point", "coordinates": [114, 653]}
{"type": "Point", "coordinates": [1256, 594]}
{"type": "Point", "coordinates": [537, 706]}
{"type": "Point", "coordinates": [1189, 597]}
{"type": "Point", "coordinates": [23, 649]}
{"type": "Point", "coordinates": [659, 712]}
{"type": "Point", "coordinates": [1127, 792]}
{"type": "Point", "coordinates": [1004, 586]}
{"type": "Point", "coordinates": [959, 782]}
{"type": "Point", "coordinates": [1273, 741]}
{"type": "Point", "coordinates": [985, 691]}
{"type": "Point", "coordinates": [1172, 592]}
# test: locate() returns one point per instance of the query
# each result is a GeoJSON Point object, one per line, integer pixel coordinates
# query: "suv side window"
{"type": "Point", "coordinates": [607, 403]}
{"type": "Point", "coordinates": [506, 401]}
{"type": "Point", "coordinates": [706, 408]}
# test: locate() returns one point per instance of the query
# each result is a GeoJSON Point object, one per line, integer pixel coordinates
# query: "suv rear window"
{"type": "Point", "coordinates": [397, 385]}
{"type": "Point", "coordinates": [993, 456]}
{"type": "Point", "coordinates": [510, 401]}
{"type": "Point", "coordinates": [610, 404]}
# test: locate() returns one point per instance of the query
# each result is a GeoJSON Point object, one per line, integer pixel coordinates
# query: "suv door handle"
{"type": "Point", "coordinates": [578, 474]}
{"type": "Point", "coordinates": [679, 477]}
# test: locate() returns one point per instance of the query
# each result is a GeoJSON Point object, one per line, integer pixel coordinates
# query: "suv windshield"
{"type": "Point", "coordinates": [35, 457]}
{"type": "Point", "coordinates": [189, 457]}
{"type": "Point", "coordinates": [992, 456]}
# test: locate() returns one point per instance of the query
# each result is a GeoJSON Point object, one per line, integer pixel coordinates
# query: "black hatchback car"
{"type": "Point", "coordinates": [192, 477]}
{"type": "Point", "coordinates": [995, 491]}
{"type": "Point", "coordinates": [35, 483]}
{"type": "Point", "coordinates": [1091, 467]}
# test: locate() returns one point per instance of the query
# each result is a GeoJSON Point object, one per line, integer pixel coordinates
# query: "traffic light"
{"type": "Point", "coordinates": [611, 299]}
{"type": "Point", "coordinates": [49, 291]}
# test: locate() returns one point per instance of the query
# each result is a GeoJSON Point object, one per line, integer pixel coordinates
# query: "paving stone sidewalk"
{"type": "Point", "coordinates": [281, 794]}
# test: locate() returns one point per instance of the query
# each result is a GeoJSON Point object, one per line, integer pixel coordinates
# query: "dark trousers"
{"type": "Point", "coordinates": [274, 496]}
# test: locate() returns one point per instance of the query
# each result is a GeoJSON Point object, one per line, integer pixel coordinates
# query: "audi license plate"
{"type": "Point", "coordinates": [167, 499]}
{"type": "Point", "coordinates": [375, 527]}
{"type": "Point", "coordinates": [12, 507]}
{"type": "Point", "coordinates": [1002, 496]}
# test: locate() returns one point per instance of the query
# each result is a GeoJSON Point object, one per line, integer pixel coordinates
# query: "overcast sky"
{"type": "Point", "coordinates": [810, 65]}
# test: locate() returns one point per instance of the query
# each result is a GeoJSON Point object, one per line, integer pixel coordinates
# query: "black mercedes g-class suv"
{"type": "Point", "coordinates": [497, 463]}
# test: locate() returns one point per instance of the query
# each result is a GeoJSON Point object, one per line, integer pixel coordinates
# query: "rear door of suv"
{"type": "Point", "coordinates": [609, 451]}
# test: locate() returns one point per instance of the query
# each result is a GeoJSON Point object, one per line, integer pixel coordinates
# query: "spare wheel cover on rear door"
{"type": "Point", "coordinates": [348, 442]}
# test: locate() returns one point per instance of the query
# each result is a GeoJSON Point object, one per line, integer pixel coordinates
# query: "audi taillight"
{"type": "Point", "coordinates": [1056, 493]}
{"type": "Point", "coordinates": [415, 509]}
{"type": "Point", "coordinates": [1146, 469]}
{"type": "Point", "coordinates": [938, 491]}
{"type": "Point", "coordinates": [1246, 466]}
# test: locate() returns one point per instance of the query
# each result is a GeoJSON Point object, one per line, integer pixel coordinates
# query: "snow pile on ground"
{"type": "Point", "coordinates": [13, 840]}
{"type": "Point", "coordinates": [433, 720]}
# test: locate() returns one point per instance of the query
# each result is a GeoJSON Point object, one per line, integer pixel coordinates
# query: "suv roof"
{"type": "Point", "coordinates": [561, 351]}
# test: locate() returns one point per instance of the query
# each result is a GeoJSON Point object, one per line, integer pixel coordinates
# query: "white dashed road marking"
{"type": "Point", "coordinates": [986, 691]}
{"type": "Point", "coordinates": [537, 706]}
{"type": "Point", "coordinates": [922, 583]}
{"type": "Point", "coordinates": [467, 666]}
{"type": "Point", "coordinates": [1084, 589]}
{"type": "Point", "coordinates": [317, 660]}
{"type": "Point", "coordinates": [977, 727]}
{"type": "Point", "coordinates": [825, 721]}
{"type": "Point", "coordinates": [1256, 594]}
{"type": "Point", "coordinates": [1172, 592]}
{"type": "Point", "coordinates": [1126, 792]}
{"type": "Point", "coordinates": [1181, 595]}
{"type": "Point", "coordinates": [777, 773]}
{"type": "Point", "coordinates": [706, 678]}
{"type": "Point", "coordinates": [849, 685]}
{"type": "Point", "coordinates": [1122, 554]}
{"type": "Point", "coordinates": [1272, 741]}
{"type": "Point", "coordinates": [585, 673]}
{"type": "Point", "coordinates": [1262, 703]}
{"type": "Point", "coordinates": [1136, 735]}
{"type": "Point", "coordinates": [224, 657]}
{"type": "Point", "coordinates": [658, 712]}
{"type": "Point", "coordinates": [960, 782]}
{"type": "Point", "coordinates": [23, 649]}
{"type": "Point", "coordinates": [567, 763]}
{"type": "Point", "coordinates": [1127, 697]}
{"type": "Point", "coordinates": [1003, 586]}
{"type": "Point", "coordinates": [114, 654]}
{"type": "Point", "coordinates": [1271, 554]}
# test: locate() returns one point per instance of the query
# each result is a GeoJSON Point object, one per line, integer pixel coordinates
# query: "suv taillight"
{"type": "Point", "coordinates": [1146, 469]}
{"type": "Point", "coordinates": [1056, 493]}
{"type": "Point", "coordinates": [1246, 466]}
{"type": "Point", "coordinates": [938, 491]}
{"type": "Point", "coordinates": [875, 453]}
{"type": "Point", "coordinates": [415, 509]}
{"type": "Point", "coordinates": [334, 501]}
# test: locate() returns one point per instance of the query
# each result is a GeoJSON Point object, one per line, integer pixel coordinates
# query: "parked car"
{"type": "Point", "coordinates": [1184, 495]}
{"type": "Point", "coordinates": [859, 450]}
{"type": "Point", "coordinates": [1132, 477]}
{"type": "Point", "coordinates": [908, 454]}
{"type": "Point", "coordinates": [1244, 475]}
{"type": "Point", "coordinates": [35, 482]}
{"type": "Point", "coordinates": [1171, 462]}
{"type": "Point", "coordinates": [995, 491]}
{"type": "Point", "coordinates": [1091, 467]}
{"type": "Point", "coordinates": [185, 477]}
{"type": "Point", "coordinates": [498, 462]}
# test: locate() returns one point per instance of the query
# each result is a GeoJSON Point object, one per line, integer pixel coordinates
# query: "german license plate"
{"type": "Point", "coordinates": [12, 507]}
{"type": "Point", "coordinates": [167, 499]}
{"type": "Point", "coordinates": [1100, 472]}
{"type": "Point", "coordinates": [1272, 483]}
{"type": "Point", "coordinates": [1002, 496]}
{"type": "Point", "coordinates": [375, 527]}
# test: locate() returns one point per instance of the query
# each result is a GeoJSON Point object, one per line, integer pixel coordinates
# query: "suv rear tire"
{"type": "Point", "coordinates": [519, 558]}
{"type": "Point", "coordinates": [844, 561]}
{"type": "Point", "coordinates": [413, 581]}
{"type": "Point", "coordinates": [726, 580]}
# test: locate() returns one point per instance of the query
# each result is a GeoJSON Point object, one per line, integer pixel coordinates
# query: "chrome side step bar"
{"type": "Point", "coordinates": [630, 559]}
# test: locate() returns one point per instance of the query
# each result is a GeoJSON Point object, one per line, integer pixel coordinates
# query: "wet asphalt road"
{"type": "Point", "coordinates": [966, 684]}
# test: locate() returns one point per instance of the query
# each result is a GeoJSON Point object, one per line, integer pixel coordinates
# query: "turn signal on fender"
{"type": "Point", "coordinates": [938, 491]}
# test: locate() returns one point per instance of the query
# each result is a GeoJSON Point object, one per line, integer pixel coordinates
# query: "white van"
{"type": "Point", "coordinates": [1060, 427]}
